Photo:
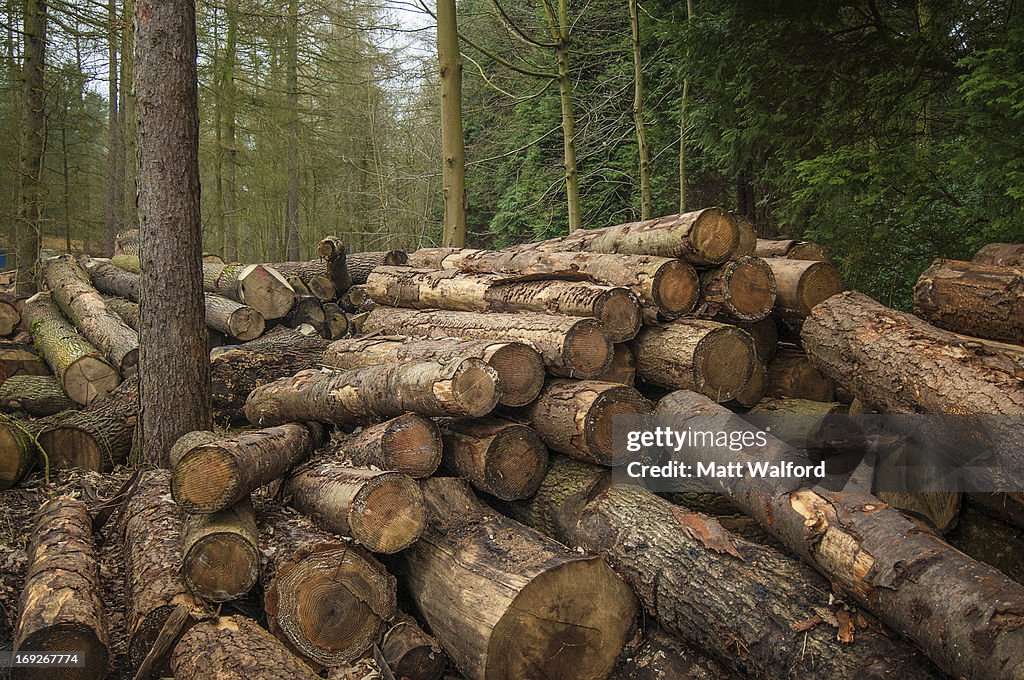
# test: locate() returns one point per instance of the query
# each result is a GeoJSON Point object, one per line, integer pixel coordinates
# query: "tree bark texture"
{"type": "Point", "coordinates": [453, 150]}
{"type": "Point", "coordinates": [983, 300]}
{"type": "Point", "coordinates": [1001, 254]}
{"type": "Point", "coordinates": [30, 206]}
{"type": "Point", "coordinates": [18, 449]}
{"type": "Point", "coordinates": [36, 395]}
{"type": "Point", "coordinates": [361, 264]}
{"type": "Point", "coordinates": [411, 653]}
{"type": "Point", "coordinates": [233, 319]}
{"type": "Point", "coordinates": [97, 437]}
{"type": "Point", "coordinates": [661, 656]}
{"type": "Point", "coordinates": [126, 309]}
{"type": "Point", "coordinates": [333, 252]}
{"type": "Point", "coordinates": [410, 444]}
{"type": "Point", "coordinates": [220, 552]}
{"type": "Point", "coordinates": [506, 460]}
{"type": "Point", "coordinates": [112, 280]}
{"type": "Point", "coordinates": [235, 648]}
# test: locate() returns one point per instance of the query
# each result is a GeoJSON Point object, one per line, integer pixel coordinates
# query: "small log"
{"type": "Point", "coordinates": [128, 262]}
{"type": "Point", "coordinates": [112, 280]}
{"type": "Point", "coordinates": [983, 300]}
{"type": "Point", "coordinates": [622, 369]}
{"type": "Point", "coordinates": [18, 449]}
{"type": "Point", "coordinates": [791, 374]}
{"type": "Point", "coordinates": [20, 359]}
{"type": "Point", "coordinates": [410, 444]}
{"type": "Point", "coordinates": [667, 287]}
{"type": "Point", "coordinates": [313, 275]}
{"type": "Point", "coordinates": [327, 599]}
{"type": "Point", "coordinates": [36, 395]}
{"type": "Point", "coordinates": [361, 264]}
{"type": "Point", "coordinates": [298, 286]}
{"type": "Point", "coordinates": [380, 510]}
{"type": "Point", "coordinates": [61, 605]}
{"type": "Point", "coordinates": [506, 601]}
{"type": "Point", "coordinates": [332, 250]}
{"type": "Point", "coordinates": [357, 299]}
{"type": "Point", "coordinates": [1001, 254]}
{"type": "Point", "coordinates": [233, 319]}
{"type": "Point", "coordinates": [10, 315]}
{"type": "Point", "coordinates": [661, 656]}
{"type": "Point", "coordinates": [83, 372]}
{"type": "Point", "coordinates": [259, 287]}
{"type": "Point", "coordinates": [126, 309]}
{"type": "Point", "coordinates": [307, 310]}
{"type": "Point", "coordinates": [791, 249]}
{"type": "Point", "coordinates": [506, 460]}
{"type": "Point", "coordinates": [220, 552]}
{"type": "Point", "coordinates": [570, 346]}
{"type": "Point", "coordinates": [461, 387]}
{"type": "Point", "coordinates": [802, 284]}
{"type": "Point", "coordinates": [96, 438]}
{"type": "Point", "coordinates": [235, 648]}
{"type": "Point", "coordinates": [617, 309]}
{"type": "Point", "coordinates": [410, 653]}
{"type": "Point", "coordinates": [520, 368]}
{"type": "Point", "coordinates": [709, 357]}
{"type": "Point", "coordinates": [335, 322]}
{"type": "Point", "coordinates": [751, 394]}
{"type": "Point", "coordinates": [575, 417]}
{"type": "Point", "coordinates": [212, 477]}
{"type": "Point", "coordinates": [740, 290]}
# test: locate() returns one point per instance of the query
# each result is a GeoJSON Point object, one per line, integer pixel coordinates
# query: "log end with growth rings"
{"type": "Point", "coordinates": [412, 444]}
{"type": "Point", "coordinates": [587, 352]}
{"type": "Point", "coordinates": [722, 362]}
{"type": "Point", "coordinates": [90, 378]}
{"type": "Point", "coordinates": [714, 235]}
{"type": "Point", "coordinates": [676, 289]}
{"type": "Point", "coordinates": [474, 387]}
{"type": "Point", "coordinates": [611, 407]}
{"type": "Point", "coordinates": [387, 513]}
{"type": "Point", "coordinates": [618, 310]}
{"type": "Point", "coordinates": [202, 575]}
{"type": "Point", "coordinates": [205, 479]}
{"type": "Point", "coordinates": [520, 371]}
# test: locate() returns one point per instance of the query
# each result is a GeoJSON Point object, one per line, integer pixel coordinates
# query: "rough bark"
{"type": "Point", "coordinates": [36, 395]}
{"type": "Point", "coordinates": [989, 540]}
{"type": "Point", "coordinates": [791, 374]}
{"type": "Point", "coordinates": [709, 357]}
{"type": "Point", "coordinates": [112, 280]}
{"type": "Point", "coordinates": [506, 460]}
{"type": "Point", "coordinates": [83, 372]}
{"type": "Point", "coordinates": [453, 149]}
{"type": "Point", "coordinates": [459, 387]}
{"type": "Point", "coordinates": [520, 368]}
{"type": "Point", "coordinates": [1001, 254]}
{"type": "Point", "coordinates": [72, 290]}
{"type": "Point", "coordinates": [29, 227]}
{"type": "Point", "coordinates": [213, 477]}
{"type": "Point", "coordinates": [332, 250]}
{"type": "Point", "coordinates": [802, 284]}
{"type": "Point", "coordinates": [704, 237]}
{"type": "Point", "coordinates": [233, 319]}
{"type": "Point", "coordinates": [220, 552]}
{"type": "Point", "coordinates": [61, 607]}
{"type": "Point", "coordinates": [361, 264]}
{"type": "Point", "coordinates": [410, 444]}
{"type": "Point", "coordinates": [983, 300]}
{"type": "Point", "coordinates": [126, 309]}
{"type": "Point", "coordinates": [410, 653]}
{"type": "Point", "coordinates": [380, 510]}
{"type": "Point", "coordinates": [617, 309]}
{"type": "Point", "coordinates": [262, 288]}
{"type": "Point", "coordinates": [97, 437]}
{"type": "Point", "coordinates": [505, 601]}
{"type": "Point", "coordinates": [570, 346]}
{"type": "Point", "coordinates": [622, 369]}
{"type": "Point", "coordinates": [740, 290]}
{"type": "Point", "coordinates": [313, 274]}
{"type": "Point", "coordinates": [566, 488]}
{"type": "Point", "coordinates": [325, 598]}
{"type": "Point", "coordinates": [961, 613]}
{"type": "Point", "coordinates": [667, 287]}
{"type": "Point", "coordinates": [791, 249]}
{"type": "Point", "coordinates": [661, 656]}
{"type": "Point", "coordinates": [18, 449]}
{"type": "Point", "coordinates": [235, 648]}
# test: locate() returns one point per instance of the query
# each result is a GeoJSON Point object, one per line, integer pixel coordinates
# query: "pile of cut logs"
{"type": "Point", "coordinates": [432, 495]}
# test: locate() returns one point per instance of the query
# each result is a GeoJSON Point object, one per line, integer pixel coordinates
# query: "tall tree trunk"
{"type": "Point", "coordinates": [174, 363]}
{"type": "Point", "coordinates": [638, 113]}
{"type": "Point", "coordinates": [453, 149]}
{"type": "Point", "coordinates": [126, 115]}
{"type": "Point", "coordinates": [34, 144]}
{"type": "Point", "coordinates": [115, 152]}
{"type": "Point", "coordinates": [684, 100]}
{"type": "Point", "coordinates": [558, 23]}
{"type": "Point", "coordinates": [291, 220]}
{"type": "Point", "coordinates": [229, 190]}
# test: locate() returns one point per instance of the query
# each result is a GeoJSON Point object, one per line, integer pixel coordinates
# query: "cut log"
{"type": "Point", "coordinates": [460, 387]}
{"type": "Point", "coordinates": [332, 251]}
{"type": "Point", "coordinates": [712, 358]}
{"type": "Point", "coordinates": [151, 538]}
{"type": "Point", "coordinates": [36, 395]}
{"type": "Point", "coordinates": [747, 246]}
{"type": "Point", "coordinates": [617, 309]}
{"type": "Point", "coordinates": [667, 287]}
{"type": "Point", "coordinates": [791, 249]}
{"type": "Point", "coordinates": [563, 493]}
{"type": "Point", "coordinates": [410, 444]}
{"type": "Point", "coordinates": [704, 237]}
{"type": "Point", "coordinates": [507, 602]}
{"type": "Point", "coordinates": [804, 406]}
{"type": "Point", "coordinates": [112, 280]}
{"type": "Point", "coordinates": [10, 315]}
{"type": "Point", "coordinates": [313, 274]}
{"type": "Point", "coordinates": [577, 417]}
{"type": "Point", "coordinates": [213, 258]}
{"type": "Point", "coordinates": [754, 391]}
{"type": "Point", "coordinates": [325, 598]}
{"type": "Point", "coordinates": [238, 370]}
{"type": "Point", "coordinates": [661, 656]}
{"type": "Point", "coordinates": [220, 552]}
{"type": "Point", "coordinates": [1001, 254]}
{"type": "Point", "coordinates": [361, 264]}
{"type": "Point", "coordinates": [61, 606]}
{"type": "Point", "coordinates": [740, 290]}
{"type": "Point", "coordinates": [307, 310]}
{"type": "Point", "coordinates": [983, 300]}
{"type": "Point", "coordinates": [20, 359]}
{"type": "Point", "coordinates": [235, 648]}
{"type": "Point", "coordinates": [233, 319]}
{"type": "Point", "coordinates": [570, 347]}
{"type": "Point", "coordinates": [72, 290]}
{"type": "Point", "coordinates": [126, 309]}
{"type": "Point", "coordinates": [262, 288]}
{"type": "Point", "coordinates": [520, 368]}
{"type": "Point", "coordinates": [504, 459]}
{"type": "Point", "coordinates": [298, 286]}
{"type": "Point", "coordinates": [766, 338]}
{"type": "Point", "coordinates": [949, 605]}
{"type": "Point", "coordinates": [358, 300]}
{"type": "Point", "coordinates": [83, 372]}
{"type": "Point", "coordinates": [802, 284]}
{"type": "Point", "coordinates": [791, 374]}
{"type": "Point", "coordinates": [18, 449]}
{"type": "Point", "coordinates": [127, 242]}
{"type": "Point", "coordinates": [622, 369]}
{"type": "Point", "coordinates": [213, 477]}
{"type": "Point", "coordinates": [380, 510]}
{"type": "Point", "coordinates": [97, 437]}
{"type": "Point", "coordinates": [335, 322]}
{"type": "Point", "coordinates": [410, 653]}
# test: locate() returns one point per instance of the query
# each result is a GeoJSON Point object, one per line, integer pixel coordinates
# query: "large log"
{"type": "Point", "coordinates": [61, 606]}
{"type": "Point", "coordinates": [214, 476]}
{"type": "Point", "coordinates": [234, 319]}
{"type": "Point", "coordinates": [667, 287]}
{"type": "Point", "coordinates": [712, 358]}
{"type": "Point", "coordinates": [790, 249]}
{"type": "Point", "coordinates": [262, 288]}
{"type": "Point", "coordinates": [235, 648]}
{"type": "Point", "coordinates": [410, 653]}
{"type": "Point", "coordinates": [983, 300]}
{"type": "Point", "coordinates": [617, 309]}
{"type": "Point", "coordinates": [704, 237]}
{"type": "Point", "coordinates": [1001, 254]}
{"type": "Point", "coordinates": [520, 368]}
{"type": "Point", "coordinates": [83, 372]}
{"type": "Point", "coordinates": [96, 438]}
{"type": "Point", "coordinates": [460, 387]}
{"type": "Point", "coordinates": [151, 539]}
{"type": "Point", "coordinates": [410, 444]}
{"type": "Point", "coordinates": [10, 315]}
{"type": "Point", "coordinates": [36, 395]}
{"type": "Point", "coordinates": [332, 251]}
{"type": "Point", "coordinates": [507, 602]}
{"type": "Point", "coordinates": [791, 374]}
{"type": "Point", "coordinates": [72, 290]}
{"type": "Point", "coordinates": [802, 284]}
{"type": "Point", "coordinates": [506, 460]}
{"type": "Point", "coordinates": [18, 449]}
{"type": "Point", "coordinates": [112, 280]}
{"type": "Point", "coordinates": [380, 510]}
{"type": "Point", "coordinates": [126, 309]}
{"type": "Point", "coordinates": [571, 347]}
{"type": "Point", "coordinates": [361, 264]}
{"type": "Point", "coordinates": [952, 607]}
{"type": "Point", "coordinates": [325, 598]}
{"type": "Point", "coordinates": [740, 290]}
{"type": "Point", "coordinates": [220, 552]}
